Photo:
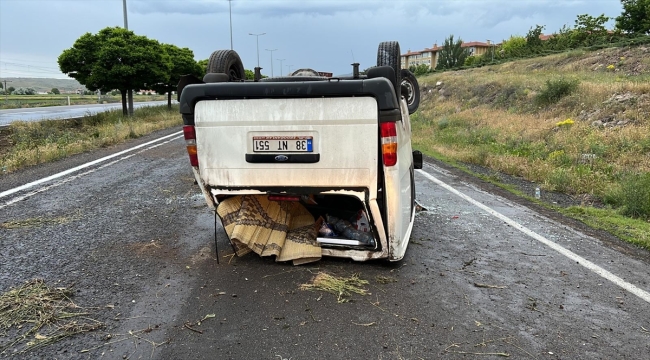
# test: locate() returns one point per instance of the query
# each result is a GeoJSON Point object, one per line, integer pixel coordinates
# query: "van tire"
{"type": "Point", "coordinates": [227, 62]}
{"type": "Point", "coordinates": [388, 54]}
{"type": "Point", "coordinates": [412, 95]}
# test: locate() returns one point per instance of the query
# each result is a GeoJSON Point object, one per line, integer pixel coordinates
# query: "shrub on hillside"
{"type": "Point", "coordinates": [554, 90]}
{"type": "Point", "coordinates": [635, 196]}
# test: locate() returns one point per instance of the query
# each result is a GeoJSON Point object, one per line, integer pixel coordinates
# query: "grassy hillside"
{"type": "Point", "coordinates": [45, 84]}
{"type": "Point", "coordinates": [577, 122]}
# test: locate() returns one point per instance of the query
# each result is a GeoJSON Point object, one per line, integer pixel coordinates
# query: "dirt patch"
{"type": "Point", "coordinates": [156, 248]}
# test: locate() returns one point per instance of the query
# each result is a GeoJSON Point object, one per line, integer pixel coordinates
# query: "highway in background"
{"type": "Point", "coordinates": [8, 116]}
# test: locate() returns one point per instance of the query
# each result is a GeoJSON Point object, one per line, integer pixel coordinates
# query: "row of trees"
{"type": "Point", "coordinates": [118, 59]}
{"type": "Point", "coordinates": [587, 31]}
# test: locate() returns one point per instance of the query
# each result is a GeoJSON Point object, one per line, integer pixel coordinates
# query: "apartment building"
{"type": "Point", "coordinates": [429, 56]}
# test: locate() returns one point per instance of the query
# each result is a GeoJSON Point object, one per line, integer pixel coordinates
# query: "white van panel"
{"type": "Point", "coordinates": [344, 130]}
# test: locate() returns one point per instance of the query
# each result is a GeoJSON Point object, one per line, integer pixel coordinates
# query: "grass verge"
{"type": "Point", "coordinates": [572, 124]}
{"type": "Point", "coordinates": [33, 143]}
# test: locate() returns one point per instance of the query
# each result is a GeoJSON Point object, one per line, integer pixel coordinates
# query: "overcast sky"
{"type": "Point", "coordinates": [323, 35]}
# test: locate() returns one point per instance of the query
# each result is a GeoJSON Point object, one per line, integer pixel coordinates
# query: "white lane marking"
{"type": "Point", "coordinates": [644, 295]}
{"type": "Point", "coordinates": [73, 177]}
{"type": "Point", "coordinates": [81, 167]}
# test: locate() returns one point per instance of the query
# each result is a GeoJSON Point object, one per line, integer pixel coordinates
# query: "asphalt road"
{"type": "Point", "coordinates": [7, 116]}
{"type": "Point", "coordinates": [484, 275]}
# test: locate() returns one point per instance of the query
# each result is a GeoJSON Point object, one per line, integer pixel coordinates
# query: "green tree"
{"type": "Point", "coordinates": [589, 30]}
{"type": "Point", "coordinates": [635, 18]}
{"type": "Point", "coordinates": [183, 63]}
{"type": "Point", "coordinates": [561, 40]}
{"type": "Point", "coordinates": [116, 58]}
{"type": "Point", "coordinates": [55, 91]}
{"type": "Point", "coordinates": [10, 90]}
{"type": "Point", "coordinates": [514, 47]}
{"type": "Point", "coordinates": [418, 70]}
{"type": "Point", "coordinates": [452, 54]}
{"type": "Point", "coordinates": [203, 64]}
{"type": "Point", "coordinates": [533, 40]}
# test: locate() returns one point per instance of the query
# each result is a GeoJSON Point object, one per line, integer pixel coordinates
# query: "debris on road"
{"type": "Point", "coordinates": [340, 286]}
{"type": "Point", "coordinates": [34, 315]}
{"type": "Point", "coordinates": [490, 286]}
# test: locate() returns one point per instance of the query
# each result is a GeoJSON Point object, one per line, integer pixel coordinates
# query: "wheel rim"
{"type": "Point", "coordinates": [410, 98]}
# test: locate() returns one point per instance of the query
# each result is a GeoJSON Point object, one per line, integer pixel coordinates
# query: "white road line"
{"type": "Point", "coordinates": [644, 295]}
{"type": "Point", "coordinates": [73, 177]}
{"type": "Point", "coordinates": [81, 167]}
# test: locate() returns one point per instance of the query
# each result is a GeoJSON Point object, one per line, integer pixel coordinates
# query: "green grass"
{"type": "Point", "coordinates": [33, 143]}
{"type": "Point", "coordinates": [532, 118]}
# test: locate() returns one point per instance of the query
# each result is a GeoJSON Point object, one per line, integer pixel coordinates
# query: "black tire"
{"type": "Point", "coordinates": [388, 54]}
{"type": "Point", "coordinates": [227, 62]}
{"type": "Point", "coordinates": [412, 95]}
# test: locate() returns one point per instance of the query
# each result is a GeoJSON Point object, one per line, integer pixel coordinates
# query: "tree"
{"type": "Point", "coordinates": [452, 54]}
{"type": "Point", "coordinates": [11, 89]}
{"type": "Point", "coordinates": [23, 91]}
{"type": "Point", "coordinates": [589, 29]}
{"type": "Point", "coordinates": [533, 40]}
{"type": "Point", "coordinates": [116, 58]}
{"type": "Point", "coordinates": [203, 64]}
{"type": "Point", "coordinates": [514, 47]}
{"type": "Point", "coordinates": [635, 18]}
{"type": "Point", "coordinates": [55, 91]}
{"type": "Point", "coordinates": [183, 63]}
{"type": "Point", "coordinates": [418, 70]}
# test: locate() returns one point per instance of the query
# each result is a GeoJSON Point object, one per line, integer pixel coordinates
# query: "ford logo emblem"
{"type": "Point", "coordinates": [281, 158]}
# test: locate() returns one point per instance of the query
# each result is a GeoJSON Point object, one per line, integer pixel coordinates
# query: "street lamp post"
{"type": "Point", "coordinates": [230, 15]}
{"type": "Point", "coordinates": [289, 66]}
{"type": "Point", "coordinates": [257, 39]}
{"type": "Point", "coordinates": [129, 93]}
{"type": "Point", "coordinates": [280, 60]}
{"type": "Point", "coordinates": [272, 50]}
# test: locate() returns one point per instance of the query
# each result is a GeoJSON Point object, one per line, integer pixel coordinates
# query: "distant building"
{"type": "Point", "coordinates": [429, 56]}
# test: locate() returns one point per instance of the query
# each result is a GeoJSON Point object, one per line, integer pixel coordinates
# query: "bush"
{"type": "Point", "coordinates": [635, 196]}
{"type": "Point", "coordinates": [554, 90]}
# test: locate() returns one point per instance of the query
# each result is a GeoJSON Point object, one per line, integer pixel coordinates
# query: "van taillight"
{"type": "Point", "coordinates": [190, 142]}
{"type": "Point", "coordinates": [388, 143]}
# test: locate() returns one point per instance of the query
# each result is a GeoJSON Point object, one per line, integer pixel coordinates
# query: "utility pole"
{"type": "Point", "coordinates": [5, 89]}
{"type": "Point", "coordinates": [230, 14]}
{"type": "Point", "coordinates": [280, 60]}
{"type": "Point", "coordinates": [271, 50]}
{"type": "Point", "coordinates": [257, 39]}
{"type": "Point", "coordinates": [129, 93]}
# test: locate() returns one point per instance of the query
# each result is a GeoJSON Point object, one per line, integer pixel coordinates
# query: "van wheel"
{"type": "Point", "coordinates": [227, 62]}
{"type": "Point", "coordinates": [388, 54]}
{"type": "Point", "coordinates": [412, 95]}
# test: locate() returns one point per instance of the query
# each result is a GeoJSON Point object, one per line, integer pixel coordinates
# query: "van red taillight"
{"type": "Point", "coordinates": [388, 143]}
{"type": "Point", "coordinates": [190, 142]}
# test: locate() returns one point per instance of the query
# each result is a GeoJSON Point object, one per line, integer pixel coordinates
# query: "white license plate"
{"type": "Point", "coordinates": [283, 143]}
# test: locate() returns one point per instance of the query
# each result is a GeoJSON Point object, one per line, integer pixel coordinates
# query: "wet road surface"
{"type": "Point", "coordinates": [7, 116]}
{"type": "Point", "coordinates": [136, 239]}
